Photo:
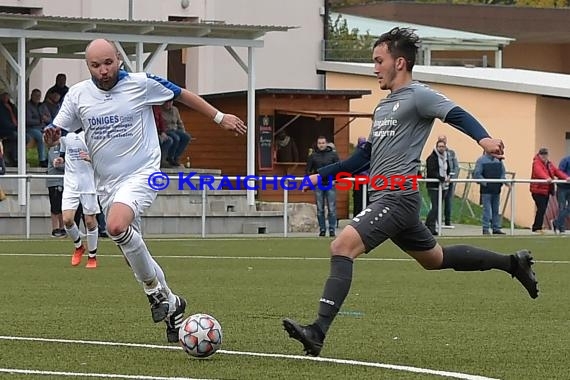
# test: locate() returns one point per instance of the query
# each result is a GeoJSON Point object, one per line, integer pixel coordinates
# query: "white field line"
{"type": "Point", "coordinates": [204, 257]}
{"type": "Point", "coordinates": [267, 238]}
{"type": "Point", "coordinates": [15, 371]}
{"type": "Point", "coordinates": [455, 375]}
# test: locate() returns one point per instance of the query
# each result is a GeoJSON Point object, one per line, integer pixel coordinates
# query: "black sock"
{"type": "Point", "coordinates": [468, 258]}
{"type": "Point", "coordinates": [336, 290]}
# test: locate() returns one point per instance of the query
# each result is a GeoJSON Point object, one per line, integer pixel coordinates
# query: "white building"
{"type": "Point", "coordinates": [287, 60]}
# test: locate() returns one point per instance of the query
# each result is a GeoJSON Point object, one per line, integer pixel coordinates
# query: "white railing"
{"type": "Point", "coordinates": [511, 182]}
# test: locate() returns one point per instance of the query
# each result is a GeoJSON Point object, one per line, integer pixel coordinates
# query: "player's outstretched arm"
{"type": "Point", "coordinates": [227, 121]}
{"type": "Point", "coordinates": [466, 123]}
{"type": "Point", "coordinates": [358, 162]}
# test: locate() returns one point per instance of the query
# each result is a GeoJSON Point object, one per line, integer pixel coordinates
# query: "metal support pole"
{"type": "Point", "coordinates": [28, 211]}
{"type": "Point", "coordinates": [139, 64]}
{"type": "Point", "coordinates": [439, 207]}
{"type": "Point", "coordinates": [251, 127]}
{"type": "Point", "coordinates": [130, 10]}
{"type": "Point", "coordinates": [285, 208]}
{"type": "Point", "coordinates": [204, 212]}
{"type": "Point", "coordinates": [21, 75]}
{"type": "Point", "coordinates": [512, 190]}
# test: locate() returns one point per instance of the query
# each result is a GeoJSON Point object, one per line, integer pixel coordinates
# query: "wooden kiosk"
{"type": "Point", "coordinates": [302, 114]}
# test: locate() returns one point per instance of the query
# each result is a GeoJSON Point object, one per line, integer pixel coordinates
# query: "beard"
{"type": "Point", "coordinates": [107, 84]}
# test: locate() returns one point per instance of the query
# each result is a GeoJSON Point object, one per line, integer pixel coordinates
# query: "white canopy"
{"type": "Point", "coordinates": [22, 35]}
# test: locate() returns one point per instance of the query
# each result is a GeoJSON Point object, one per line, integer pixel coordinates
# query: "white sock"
{"type": "Point", "coordinates": [136, 252]}
{"type": "Point", "coordinates": [73, 233]}
{"type": "Point", "coordinates": [92, 236]}
{"type": "Point", "coordinates": [150, 282]}
{"type": "Point", "coordinates": [162, 280]}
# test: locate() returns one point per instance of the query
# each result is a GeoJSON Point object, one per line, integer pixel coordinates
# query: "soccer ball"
{"type": "Point", "coordinates": [200, 335]}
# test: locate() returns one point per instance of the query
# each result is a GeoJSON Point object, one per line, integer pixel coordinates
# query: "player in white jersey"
{"type": "Point", "coordinates": [114, 109]}
{"type": "Point", "coordinates": [78, 187]}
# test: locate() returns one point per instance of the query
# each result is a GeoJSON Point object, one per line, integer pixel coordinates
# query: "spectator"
{"type": "Point", "coordinates": [35, 123]}
{"type": "Point", "coordinates": [489, 167]}
{"type": "Point", "coordinates": [357, 205]}
{"type": "Point", "coordinates": [2, 171]}
{"type": "Point", "coordinates": [55, 189]}
{"type": "Point", "coordinates": [2, 163]}
{"type": "Point", "coordinates": [436, 167]}
{"type": "Point", "coordinates": [51, 104]}
{"type": "Point", "coordinates": [563, 198]}
{"type": "Point", "coordinates": [453, 174]}
{"type": "Point", "coordinates": [9, 129]}
{"type": "Point", "coordinates": [542, 168]}
{"type": "Point", "coordinates": [175, 129]}
{"type": "Point", "coordinates": [165, 141]}
{"type": "Point", "coordinates": [60, 86]}
{"type": "Point", "coordinates": [324, 155]}
{"type": "Point", "coordinates": [286, 148]}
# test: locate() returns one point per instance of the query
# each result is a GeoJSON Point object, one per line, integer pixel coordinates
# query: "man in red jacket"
{"type": "Point", "coordinates": [542, 168]}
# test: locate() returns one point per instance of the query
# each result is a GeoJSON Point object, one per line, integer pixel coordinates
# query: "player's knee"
{"type": "Point", "coordinates": [341, 246]}
{"type": "Point", "coordinates": [430, 265]}
{"type": "Point", "coordinates": [68, 220]}
{"type": "Point", "coordinates": [91, 222]}
{"type": "Point", "coordinates": [429, 260]}
{"type": "Point", "coordinates": [115, 229]}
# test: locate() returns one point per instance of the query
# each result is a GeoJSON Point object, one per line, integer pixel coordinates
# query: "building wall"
{"type": "Point", "coordinates": [551, 57]}
{"type": "Point", "coordinates": [218, 149]}
{"type": "Point", "coordinates": [295, 51]}
{"type": "Point", "coordinates": [513, 117]}
{"type": "Point", "coordinates": [210, 69]}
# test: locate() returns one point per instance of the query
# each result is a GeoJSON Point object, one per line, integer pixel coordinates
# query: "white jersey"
{"type": "Point", "coordinates": [79, 176]}
{"type": "Point", "coordinates": [120, 131]}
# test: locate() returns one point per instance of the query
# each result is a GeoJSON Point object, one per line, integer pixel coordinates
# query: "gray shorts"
{"type": "Point", "coordinates": [395, 216]}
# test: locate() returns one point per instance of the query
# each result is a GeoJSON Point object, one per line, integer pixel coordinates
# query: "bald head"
{"type": "Point", "coordinates": [100, 47]}
{"type": "Point", "coordinates": [103, 62]}
{"type": "Point", "coordinates": [442, 138]}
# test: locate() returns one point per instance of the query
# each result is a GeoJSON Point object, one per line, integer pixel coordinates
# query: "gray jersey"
{"type": "Point", "coordinates": [53, 153]}
{"type": "Point", "coordinates": [402, 124]}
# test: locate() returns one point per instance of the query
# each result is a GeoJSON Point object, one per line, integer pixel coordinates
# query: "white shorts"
{"type": "Point", "coordinates": [133, 192]}
{"type": "Point", "coordinates": [70, 201]}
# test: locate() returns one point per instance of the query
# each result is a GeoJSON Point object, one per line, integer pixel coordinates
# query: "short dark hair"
{"type": "Point", "coordinates": [322, 137]}
{"type": "Point", "coordinates": [401, 42]}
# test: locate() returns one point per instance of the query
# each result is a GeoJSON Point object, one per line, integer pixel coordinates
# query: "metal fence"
{"type": "Point", "coordinates": [26, 181]}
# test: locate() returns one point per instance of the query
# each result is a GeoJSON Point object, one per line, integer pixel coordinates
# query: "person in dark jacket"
{"type": "Point", "coordinates": [437, 166]}
{"type": "Point", "coordinates": [286, 148]}
{"type": "Point", "coordinates": [542, 168]}
{"type": "Point", "coordinates": [453, 174]}
{"type": "Point", "coordinates": [324, 155]}
{"type": "Point", "coordinates": [9, 128]}
{"type": "Point", "coordinates": [488, 167]}
{"type": "Point", "coordinates": [563, 198]}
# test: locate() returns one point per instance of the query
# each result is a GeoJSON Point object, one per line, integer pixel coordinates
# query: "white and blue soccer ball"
{"type": "Point", "coordinates": [200, 335]}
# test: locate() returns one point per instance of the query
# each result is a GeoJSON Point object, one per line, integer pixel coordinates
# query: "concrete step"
{"type": "Point", "coordinates": [38, 185]}
{"type": "Point", "coordinates": [252, 223]}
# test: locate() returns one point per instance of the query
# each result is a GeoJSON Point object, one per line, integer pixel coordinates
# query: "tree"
{"type": "Point", "coordinates": [347, 45]}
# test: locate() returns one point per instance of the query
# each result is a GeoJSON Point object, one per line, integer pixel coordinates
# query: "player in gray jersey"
{"type": "Point", "coordinates": [402, 123]}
